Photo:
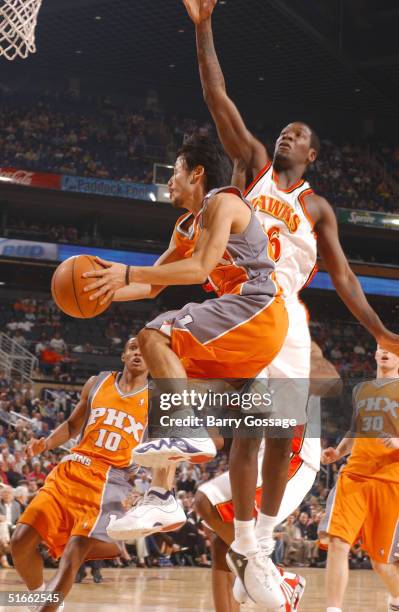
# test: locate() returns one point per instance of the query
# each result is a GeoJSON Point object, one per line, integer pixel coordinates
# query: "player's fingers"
{"type": "Point", "coordinates": [193, 13]}
{"type": "Point", "coordinates": [108, 297]}
{"type": "Point", "coordinates": [103, 262]}
{"type": "Point", "coordinates": [96, 285]}
{"type": "Point", "coordinates": [99, 293]}
{"type": "Point", "coordinates": [94, 274]}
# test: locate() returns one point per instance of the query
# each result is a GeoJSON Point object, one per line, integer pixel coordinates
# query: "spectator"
{"type": "Point", "coordinates": [37, 475]}
{"type": "Point", "coordinates": [188, 482]}
{"type": "Point", "coordinates": [21, 495]}
{"type": "Point", "coordinates": [9, 507]}
{"type": "Point", "coordinates": [58, 344]}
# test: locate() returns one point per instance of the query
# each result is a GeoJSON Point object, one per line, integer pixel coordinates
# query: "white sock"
{"type": "Point", "coordinates": [39, 589]}
{"type": "Point", "coordinates": [393, 604]}
{"type": "Point", "coordinates": [265, 526]}
{"type": "Point", "coordinates": [244, 537]}
{"type": "Point", "coordinates": [334, 609]}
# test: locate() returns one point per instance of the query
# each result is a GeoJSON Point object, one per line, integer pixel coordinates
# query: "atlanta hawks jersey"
{"type": "Point", "coordinates": [115, 423]}
{"type": "Point", "coordinates": [284, 218]}
{"type": "Point", "coordinates": [376, 414]}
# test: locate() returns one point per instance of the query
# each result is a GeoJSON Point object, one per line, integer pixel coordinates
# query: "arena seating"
{"type": "Point", "coordinates": [67, 135]}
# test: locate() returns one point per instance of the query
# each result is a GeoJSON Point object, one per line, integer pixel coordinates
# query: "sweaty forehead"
{"type": "Point", "coordinates": [297, 125]}
{"type": "Point", "coordinates": [130, 344]}
{"type": "Point", "coordinates": [180, 163]}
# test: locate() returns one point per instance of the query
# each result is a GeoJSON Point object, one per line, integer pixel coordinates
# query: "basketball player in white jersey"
{"type": "Point", "coordinates": [214, 498]}
{"type": "Point", "coordinates": [290, 213]}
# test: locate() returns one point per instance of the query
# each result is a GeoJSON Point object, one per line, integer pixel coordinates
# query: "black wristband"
{"type": "Point", "coordinates": [127, 275]}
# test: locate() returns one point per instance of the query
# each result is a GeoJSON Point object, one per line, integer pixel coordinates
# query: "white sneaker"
{"type": "Point", "coordinates": [153, 513]}
{"type": "Point", "coordinates": [260, 578]}
{"type": "Point", "coordinates": [160, 452]}
{"type": "Point", "coordinates": [292, 586]}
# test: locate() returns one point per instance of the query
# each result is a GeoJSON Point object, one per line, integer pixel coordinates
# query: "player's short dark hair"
{"type": "Point", "coordinates": [314, 140]}
{"type": "Point", "coordinates": [202, 151]}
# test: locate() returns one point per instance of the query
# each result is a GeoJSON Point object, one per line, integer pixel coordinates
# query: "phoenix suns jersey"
{"type": "Point", "coordinates": [376, 413]}
{"type": "Point", "coordinates": [284, 218]}
{"type": "Point", "coordinates": [115, 423]}
{"type": "Point", "coordinates": [246, 267]}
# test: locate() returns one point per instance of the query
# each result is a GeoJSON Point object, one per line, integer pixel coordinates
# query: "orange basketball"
{"type": "Point", "coordinates": [67, 287]}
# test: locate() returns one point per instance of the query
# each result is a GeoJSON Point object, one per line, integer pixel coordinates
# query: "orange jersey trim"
{"type": "Point", "coordinates": [257, 178]}
{"type": "Point", "coordinates": [301, 199]}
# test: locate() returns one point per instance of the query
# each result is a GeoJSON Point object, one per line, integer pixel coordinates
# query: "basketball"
{"type": "Point", "coordinates": [67, 286]}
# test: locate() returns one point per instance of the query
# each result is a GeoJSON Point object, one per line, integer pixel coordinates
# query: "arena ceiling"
{"type": "Point", "coordinates": [334, 53]}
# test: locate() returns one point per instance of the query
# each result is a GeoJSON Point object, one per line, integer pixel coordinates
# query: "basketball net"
{"type": "Point", "coordinates": [18, 20]}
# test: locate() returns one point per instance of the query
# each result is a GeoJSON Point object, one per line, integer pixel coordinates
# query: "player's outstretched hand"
{"type": "Point", "coordinates": [389, 342]}
{"type": "Point", "coordinates": [35, 447]}
{"type": "Point", "coordinates": [111, 277]}
{"type": "Point", "coordinates": [329, 455]}
{"type": "Point", "coordinates": [199, 10]}
{"type": "Point", "coordinates": [392, 443]}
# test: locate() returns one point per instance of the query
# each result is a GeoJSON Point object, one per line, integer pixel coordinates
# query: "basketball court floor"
{"type": "Point", "coordinates": [189, 590]}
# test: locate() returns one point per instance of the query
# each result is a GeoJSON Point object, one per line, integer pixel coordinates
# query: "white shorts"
{"type": "Point", "coordinates": [292, 362]}
{"type": "Point", "coordinates": [301, 479]}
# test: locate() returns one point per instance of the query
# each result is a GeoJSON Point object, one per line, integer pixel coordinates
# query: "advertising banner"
{"type": "Point", "coordinates": [368, 218]}
{"type": "Point", "coordinates": [30, 179]}
{"type": "Point", "coordinates": [108, 188]}
{"type": "Point", "coordinates": [27, 249]}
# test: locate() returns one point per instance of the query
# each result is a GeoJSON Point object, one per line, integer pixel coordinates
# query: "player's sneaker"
{"type": "Point", "coordinates": [155, 512]}
{"type": "Point", "coordinates": [260, 578]}
{"type": "Point", "coordinates": [160, 452]}
{"type": "Point", "coordinates": [292, 586]}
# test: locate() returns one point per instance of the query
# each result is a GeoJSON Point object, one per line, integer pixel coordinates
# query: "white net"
{"type": "Point", "coordinates": [18, 20]}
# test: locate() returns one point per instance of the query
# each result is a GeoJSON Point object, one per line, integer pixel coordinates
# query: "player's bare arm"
{"type": "Point", "coordinates": [235, 137]}
{"type": "Point", "coordinates": [325, 380]}
{"type": "Point", "coordinates": [134, 292]}
{"type": "Point", "coordinates": [344, 448]}
{"type": "Point", "coordinates": [225, 213]}
{"type": "Point", "coordinates": [67, 430]}
{"type": "Point", "coordinates": [345, 282]}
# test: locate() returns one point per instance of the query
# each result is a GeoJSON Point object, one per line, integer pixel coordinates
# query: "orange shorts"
{"type": "Point", "coordinates": [365, 508]}
{"type": "Point", "coordinates": [233, 336]}
{"type": "Point", "coordinates": [77, 500]}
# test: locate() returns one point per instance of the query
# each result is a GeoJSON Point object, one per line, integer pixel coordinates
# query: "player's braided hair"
{"type": "Point", "coordinates": [202, 151]}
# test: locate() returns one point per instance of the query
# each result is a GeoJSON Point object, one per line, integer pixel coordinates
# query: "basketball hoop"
{"type": "Point", "coordinates": [18, 20]}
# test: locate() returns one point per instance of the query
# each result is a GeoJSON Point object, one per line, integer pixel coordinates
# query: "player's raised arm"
{"type": "Point", "coordinates": [325, 380]}
{"type": "Point", "coordinates": [237, 140]}
{"type": "Point", "coordinates": [67, 430]}
{"type": "Point", "coordinates": [345, 282]}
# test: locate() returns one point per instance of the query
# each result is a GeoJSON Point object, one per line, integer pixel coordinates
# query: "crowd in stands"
{"type": "Point", "coordinates": [110, 142]}
{"type": "Point", "coordinates": [40, 327]}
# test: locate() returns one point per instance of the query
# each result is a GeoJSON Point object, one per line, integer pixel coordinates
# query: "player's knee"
{"type": "Point", "coordinates": [22, 540]}
{"type": "Point", "coordinates": [245, 449]}
{"type": "Point", "coordinates": [281, 447]}
{"type": "Point", "coordinates": [382, 569]}
{"type": "Point", "coordinates": [148, 339]}
{"type": "Point", "coordinates": [338, 545]}
{"type": "Point", "coordinates": [203, 506]}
